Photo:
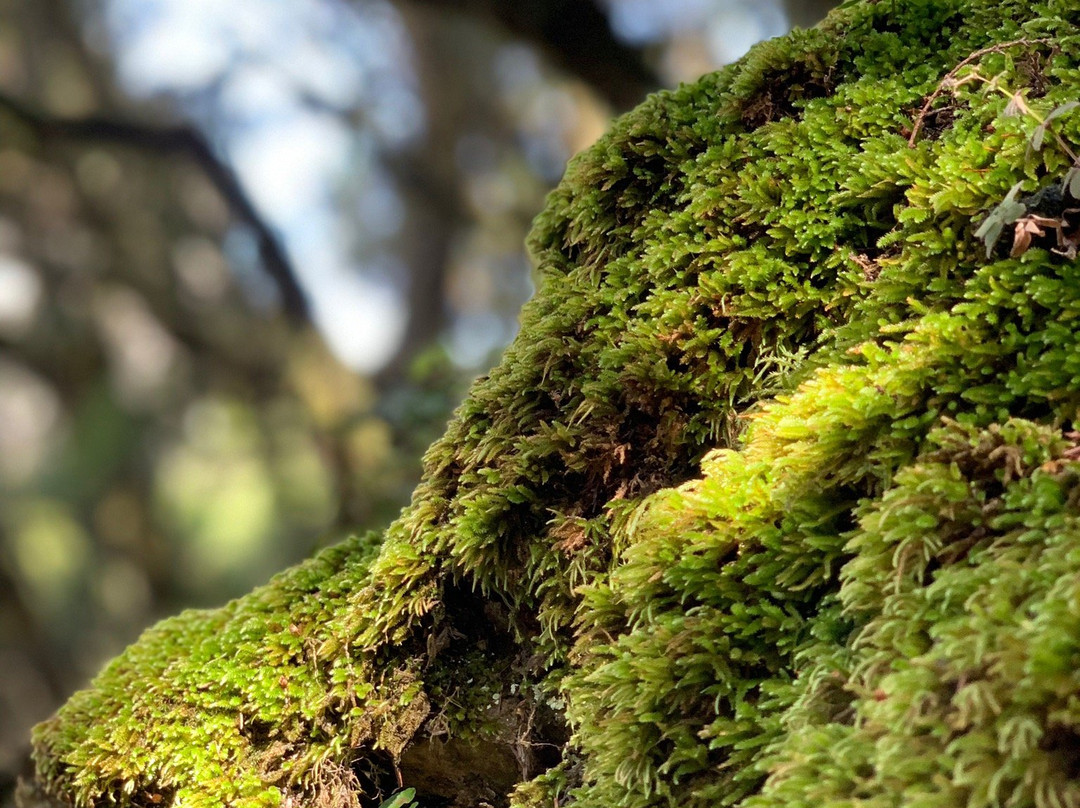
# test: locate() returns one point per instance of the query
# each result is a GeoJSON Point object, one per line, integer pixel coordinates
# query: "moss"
{"type": "Point", "coordinates": [773, 501]}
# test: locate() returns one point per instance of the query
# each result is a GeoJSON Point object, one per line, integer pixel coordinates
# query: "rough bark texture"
{"type": "Point", "coordinates": [774, 502]}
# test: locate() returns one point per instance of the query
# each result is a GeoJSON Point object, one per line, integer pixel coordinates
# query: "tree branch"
{"type": "Point", "coordinates": [578, 38]}
{"type": "Point", "coordinates": [808, 13]}
{"type": "Point", "coordinates": [178, 140]}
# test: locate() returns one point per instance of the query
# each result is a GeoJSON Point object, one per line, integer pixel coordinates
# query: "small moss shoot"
{"type": "Point", "coordinates": [774, 502]}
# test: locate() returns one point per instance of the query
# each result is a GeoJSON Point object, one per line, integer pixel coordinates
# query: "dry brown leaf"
{"type": "Point", "coordinates": [1030, 226]}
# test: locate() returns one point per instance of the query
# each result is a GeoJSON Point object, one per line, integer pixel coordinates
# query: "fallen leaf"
{"type": "Point", "coordinates": [1030, 226]}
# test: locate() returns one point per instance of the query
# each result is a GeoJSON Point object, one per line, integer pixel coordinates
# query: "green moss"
{"type": "Point", "coordinates": [773, 502]}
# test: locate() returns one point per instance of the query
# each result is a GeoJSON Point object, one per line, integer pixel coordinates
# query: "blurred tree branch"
{"type": "Point", "coordinates": [22, 618]}
{"type": "Point", "coordinates": [808, 13]}
{"type": "Point", "coordinates": [577, 36]}
{"type": "Point", "coordinates": [177, 140]}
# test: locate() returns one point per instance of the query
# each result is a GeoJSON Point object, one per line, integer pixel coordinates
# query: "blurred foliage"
{"type": "Point", "coordinates": [172, 429]}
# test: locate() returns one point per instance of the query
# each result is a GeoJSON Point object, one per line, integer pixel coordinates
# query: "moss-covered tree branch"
{"type": "Point", "coordinates": [774, 501]}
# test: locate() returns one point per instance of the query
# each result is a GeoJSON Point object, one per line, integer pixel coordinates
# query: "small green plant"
{"type": "Point", "coordinates": [1027, 220]}
{"type": "Point", "coordinates": [402, 799]}
{"type": "Point", "coordinates": [1023, 214]}
{"type": "Point", "coordinates": [1008, 211]}
{"type": "Point", "coordinates": [1039, 135]}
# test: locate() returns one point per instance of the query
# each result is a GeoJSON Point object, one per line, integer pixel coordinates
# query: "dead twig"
{"type": "Point", "coordinates": [950, 78]}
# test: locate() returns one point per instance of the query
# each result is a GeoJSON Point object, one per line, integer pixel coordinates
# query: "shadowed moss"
{"type": "Point", "coordinates": [773, 501]}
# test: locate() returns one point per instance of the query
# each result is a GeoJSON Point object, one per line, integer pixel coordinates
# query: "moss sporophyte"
{"type": "Point", "coordinates": [773, 502]}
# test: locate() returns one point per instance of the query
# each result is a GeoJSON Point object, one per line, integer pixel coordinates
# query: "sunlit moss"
{"type": "Point", "coordinates": [773, 502]}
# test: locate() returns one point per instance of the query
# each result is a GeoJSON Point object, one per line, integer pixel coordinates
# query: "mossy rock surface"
{"type": "Point", "coordinates": [773, 502]}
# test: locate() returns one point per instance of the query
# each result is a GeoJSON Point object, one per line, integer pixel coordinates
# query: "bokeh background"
{"type": "Point", "coordinates": [251, 254]}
